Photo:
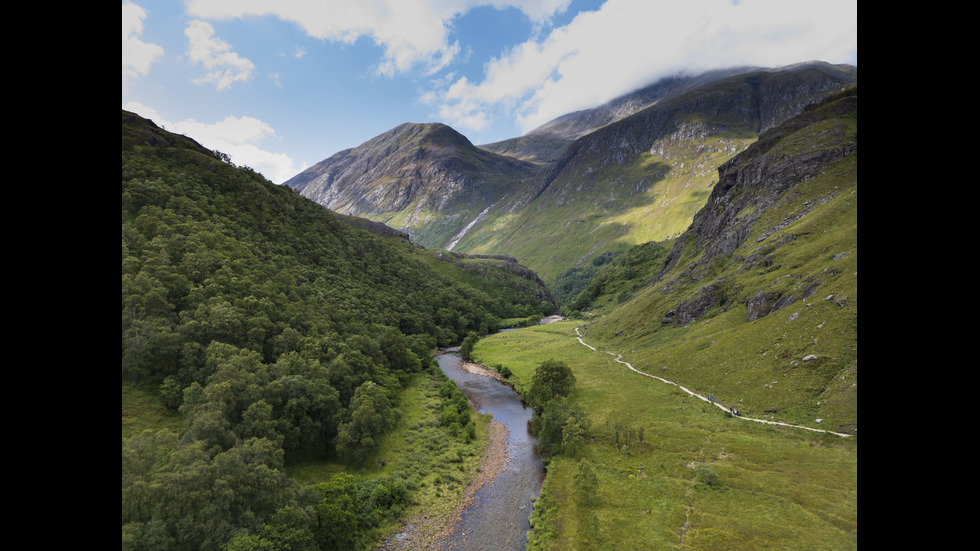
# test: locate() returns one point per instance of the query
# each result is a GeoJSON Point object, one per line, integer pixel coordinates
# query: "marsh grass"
{"type": "Point", "coordinates": [776, 487]}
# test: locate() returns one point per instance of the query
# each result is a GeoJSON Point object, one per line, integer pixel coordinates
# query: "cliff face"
{"type": "Point", "coordinates": [761, 179]}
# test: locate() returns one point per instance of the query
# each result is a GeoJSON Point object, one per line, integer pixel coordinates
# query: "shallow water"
{"type": "Point", "coordinates": [498, 517]}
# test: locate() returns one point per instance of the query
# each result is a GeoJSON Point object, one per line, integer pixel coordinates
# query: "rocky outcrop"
{"type": "Point", "coordinates": [714, 296]}
{"type": "Point", "coordinates": [752, 182]}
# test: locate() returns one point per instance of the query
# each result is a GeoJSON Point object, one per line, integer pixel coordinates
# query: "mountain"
{"type": "Point", "coordinates": [757, 300]}
{"type": "Point", "coordinates": [596, 181]}
{"type": "Point", "coordinates": [709, 369]}
{"type": "Point", "coordinates": [546, 143]}
{"type": "Point", "coordinates": [642, 178]}
{"type": "Point", "coordinates": [426, 179]}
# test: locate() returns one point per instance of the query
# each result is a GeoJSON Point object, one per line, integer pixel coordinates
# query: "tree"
{"type": "Point", "coordinates": [371, 415]}
{"type": "Point", "coordinates": [336, 513]}
{"type": "Point", "coordinates": [172, 392]}
{"type": "Point", "coordinates": [572, 433]}
{"type": "Point", "coordinates": [466, 349]}
{"type": "Point", "coordinates": [290, 528]}
{"type": "Point", "coordinates": [552, 379]}
{"type": "Point", "coordinates": [560, 426]}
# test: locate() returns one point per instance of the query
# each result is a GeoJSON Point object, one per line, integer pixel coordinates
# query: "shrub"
{"type": "Point", "coordinates": [706, 474]}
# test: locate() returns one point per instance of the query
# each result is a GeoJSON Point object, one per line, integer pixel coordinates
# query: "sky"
{"type": "Point", "coordinates": [280, 85]}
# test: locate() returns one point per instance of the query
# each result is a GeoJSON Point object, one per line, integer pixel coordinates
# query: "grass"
{"type": "Point", "coordinates": [143, 409]}
{"type": "Point", "coordinates": [777, 488]}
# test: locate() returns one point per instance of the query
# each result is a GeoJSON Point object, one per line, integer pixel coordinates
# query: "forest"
{"type": "Point", "coordinates": [274, 329]}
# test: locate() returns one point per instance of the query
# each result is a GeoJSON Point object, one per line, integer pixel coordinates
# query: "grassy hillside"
{"type": "Point", "coordinates": [278, 386]}
{"type": "Point", "coordinates": [650, 199]}
{"type": "Point", "coordinates": [754, 305]}
{"type": "Point", "coordinates": [773, 320]}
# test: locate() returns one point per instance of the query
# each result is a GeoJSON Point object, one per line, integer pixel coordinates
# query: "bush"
{"type": "Point", "coordinates": [706, 474]}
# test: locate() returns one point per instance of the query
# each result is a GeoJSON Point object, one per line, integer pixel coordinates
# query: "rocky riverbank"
{"type": "Point", "coordinates": [426, 533]}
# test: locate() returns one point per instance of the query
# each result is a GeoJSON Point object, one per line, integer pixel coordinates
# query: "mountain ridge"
{"type": "Point", "coordinates": [640, 177]}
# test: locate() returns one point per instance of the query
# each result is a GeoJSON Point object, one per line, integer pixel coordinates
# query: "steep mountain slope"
{"type": "Point", "coordinates": [644, 177]}
{"type": "Point", "coordinates": [756, 303]}
{"type": "Point", "coordinates": [425, 179]}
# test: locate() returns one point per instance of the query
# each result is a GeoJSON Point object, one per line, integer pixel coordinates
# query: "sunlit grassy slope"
{"type": "Point", "coordinates": [652, 198]}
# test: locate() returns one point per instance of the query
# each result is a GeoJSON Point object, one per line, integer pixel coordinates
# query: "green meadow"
{"type": "Point", "coordinates": [674, 472]}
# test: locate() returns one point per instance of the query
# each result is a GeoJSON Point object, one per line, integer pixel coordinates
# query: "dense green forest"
{"type": "Point", "coordinates": [275, 329]}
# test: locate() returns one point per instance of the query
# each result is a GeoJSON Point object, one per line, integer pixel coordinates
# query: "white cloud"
{"type": "Point", "coordinates": [239, 137]}
{"type": "Point", "coordinates": [627, 44]}
{"type": "Point", "coordinates": [412, 34]}
{"type": "Point", "coordinates": [224, 66]}
{"type": "Point", "coordinates": [137, 56]}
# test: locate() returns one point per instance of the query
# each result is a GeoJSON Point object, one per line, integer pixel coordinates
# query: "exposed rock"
{"type": "Point", "coordinates": [714, 295]}
{"type": "Point", "coordinates": [762, 304]}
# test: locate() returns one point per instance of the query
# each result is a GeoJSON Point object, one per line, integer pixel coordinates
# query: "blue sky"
{"type": "Point", "coordinates": [280, 85]}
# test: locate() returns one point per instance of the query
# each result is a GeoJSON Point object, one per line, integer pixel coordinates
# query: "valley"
{"type": "Point", "coordinates": [281, 382]}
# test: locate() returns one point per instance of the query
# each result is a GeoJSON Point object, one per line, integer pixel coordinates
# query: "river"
{"type": "Point", "coordinates": [497, 517]}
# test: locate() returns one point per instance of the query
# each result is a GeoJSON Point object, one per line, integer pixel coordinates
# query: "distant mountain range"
{"type": "Point", "coordinates": [634, 170]}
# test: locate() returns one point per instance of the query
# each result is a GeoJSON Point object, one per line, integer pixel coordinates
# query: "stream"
{"type": "Point", "coordinates": [497, 518]}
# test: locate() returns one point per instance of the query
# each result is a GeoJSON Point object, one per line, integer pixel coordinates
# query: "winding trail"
{"type": "Point", "coordinates": [696, 395]}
